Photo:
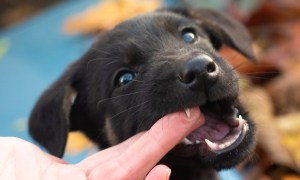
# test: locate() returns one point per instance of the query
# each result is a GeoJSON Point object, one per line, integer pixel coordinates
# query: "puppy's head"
{"type": "Point", "coordinates": [146, 68]}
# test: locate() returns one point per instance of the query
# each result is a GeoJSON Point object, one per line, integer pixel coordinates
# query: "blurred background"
{"type": "Point", "coordinates": [39, 38]}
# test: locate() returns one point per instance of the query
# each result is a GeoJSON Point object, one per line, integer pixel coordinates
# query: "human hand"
{"type": "Point", "coordinates": [135, 158]}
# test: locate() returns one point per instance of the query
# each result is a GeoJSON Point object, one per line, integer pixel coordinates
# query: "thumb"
{"type": "Point", "coordinates": [159, 172]}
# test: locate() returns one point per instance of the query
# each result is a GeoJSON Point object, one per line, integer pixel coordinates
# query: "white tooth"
{"type": "Point", "coordinates": [240, 117]}
{"type": "Point", "coordinates": [197, 141]}
{"type": "Point", "coordinates": [228, 143]}
{"type": "Point", "coordinates": [188, 113]}
{"type": "Point", "coordinates": [241, 124]}
{"type": "Point", "coordinates": [246, 127]}
{"type": "Point", "coordinates": [187, 141]}
{"type": "Point", "coordinates": [212, 145]}
{"type": "Point", "coordinates": [236, 111]}
{"type": "Point", "coordinates": [216, 146]}
{"type": "Point", "coordinates": [222, 146]}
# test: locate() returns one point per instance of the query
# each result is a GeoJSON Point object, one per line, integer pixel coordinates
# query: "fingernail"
{"type": "Point", "coordinates": [168, 173]}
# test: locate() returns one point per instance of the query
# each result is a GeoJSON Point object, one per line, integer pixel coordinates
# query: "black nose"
{"type": "Point", "coordinates": [199, 71]}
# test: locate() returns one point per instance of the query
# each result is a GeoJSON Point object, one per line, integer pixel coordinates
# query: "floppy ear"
{"type": "Point", "coordinates": [221, 29]}
{"type": "Point", "coordinates": [49, 121]}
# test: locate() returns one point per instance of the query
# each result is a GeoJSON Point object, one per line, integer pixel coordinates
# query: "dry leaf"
{"type": "Point", "coordinates": [107, 14]}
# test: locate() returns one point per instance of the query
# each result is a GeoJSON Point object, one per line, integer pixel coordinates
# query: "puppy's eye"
{"type": "Point", "coordinates": [125, 77]}
{"type": "Point", "coordinates": [188, 36]}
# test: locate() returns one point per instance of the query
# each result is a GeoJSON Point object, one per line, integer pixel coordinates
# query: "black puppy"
{"type": "Point", "coordinates": [145, 68]}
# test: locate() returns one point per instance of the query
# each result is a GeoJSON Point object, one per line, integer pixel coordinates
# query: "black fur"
{"type": "Point", "coordinates": [151, 48]}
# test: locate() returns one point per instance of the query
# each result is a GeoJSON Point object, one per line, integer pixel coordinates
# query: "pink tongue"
{"type": "Point", "coordinates": [213, 130]}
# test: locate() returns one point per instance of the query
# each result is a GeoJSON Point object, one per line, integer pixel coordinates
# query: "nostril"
{"type": "Point", "coordinates": [187, 78]}
{"type": "Point", "coordinates": [199, 71]}
{"type": "Point", "coordinates": [211, 67]}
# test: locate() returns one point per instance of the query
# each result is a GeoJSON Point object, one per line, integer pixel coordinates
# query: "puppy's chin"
{"type": "Point", "coordinates": [221, 142]}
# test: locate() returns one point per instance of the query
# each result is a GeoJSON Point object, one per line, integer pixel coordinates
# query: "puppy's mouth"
{"type": "Point", "coordinates": [219, 134]}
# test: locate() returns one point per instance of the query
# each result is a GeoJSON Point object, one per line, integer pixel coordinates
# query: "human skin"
{"type": "Point", "coordinates": [135, 158]}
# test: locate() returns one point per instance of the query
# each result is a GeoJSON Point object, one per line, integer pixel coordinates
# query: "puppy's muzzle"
{"type": "Point", "coordinates": [199, 72]}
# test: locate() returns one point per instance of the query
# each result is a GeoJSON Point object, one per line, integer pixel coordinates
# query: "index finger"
{"type": "Point", "coordinates": [145, 153]}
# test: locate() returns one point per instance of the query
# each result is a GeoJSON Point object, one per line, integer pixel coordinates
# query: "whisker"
{"type": "Point", "coordinates": [237, 66]}
{"type": "Point", "coordinates": [111, 62]}
{"type": "Point", "coordinates": [269, 72]}
{"type": "Point", "coordinates": [257, 77]}
{"type": "Point", "coordinates": [140, 122]}
{"type": "Point", "coordinates": [134, 80]}
{"type": "Point", "coordinates": [129, 109]}
{"type": "Point", "coordinates": [96, 59]}
{"type": "Point", "coordinates": [98, 50]}
{"type": "Point", "coordinates": [232, 55]}
{"type": "Point", "coordinates": [123, 95]}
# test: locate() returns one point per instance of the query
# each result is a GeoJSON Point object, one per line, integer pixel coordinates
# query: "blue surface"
{"type": "Point", "coordinates": [35, 53]}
